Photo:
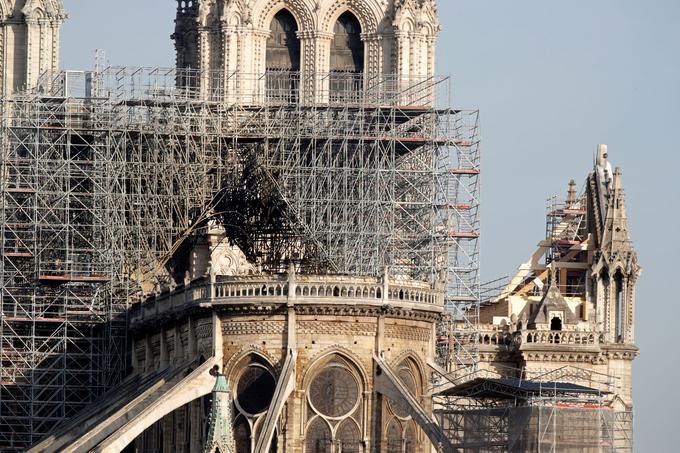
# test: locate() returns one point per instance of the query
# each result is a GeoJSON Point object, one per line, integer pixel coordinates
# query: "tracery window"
{"type": "Point", "coordinates": [400, 434]}
{"type": "Point", "coordinates": [255, 385]}
{"type": "Point", "coordinates": [346, 59]}
{"type": "Point", "coordinates": [335, 408]}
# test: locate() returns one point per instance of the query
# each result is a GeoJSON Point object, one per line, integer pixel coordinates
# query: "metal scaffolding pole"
{"type": "Point", "coordinates": [106, 175]}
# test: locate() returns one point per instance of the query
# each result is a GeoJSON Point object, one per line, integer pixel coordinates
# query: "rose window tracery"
{"type": "Point", "coordinates": [335, 409]}
{"type": "Point", "coordinates": [334, 392]}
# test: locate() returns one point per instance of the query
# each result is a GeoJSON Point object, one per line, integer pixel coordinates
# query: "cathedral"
{"type": "Point", "coordinates": [303, 303]}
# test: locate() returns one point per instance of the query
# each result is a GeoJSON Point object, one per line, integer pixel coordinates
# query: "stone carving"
{"type": "Point", "coordinates": [336, 328]}
{"type": "Point", "coordinates": [44, 9]}
{"type": "Point", "coordinates": [408, 333]}
{"type": "Point", "coordinates": [230, 260]}
{"type": "Point", "coordinates": [234, 36]}
{"type": "Point", "coordinates": [253, 328]}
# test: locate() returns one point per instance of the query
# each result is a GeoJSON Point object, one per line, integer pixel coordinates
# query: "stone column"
{"type": "Point", "coordinates": [31, 26]}
{"type": "Point", "coordinates": [403, 54]}
{"type": "Point", "coordinates": [203, 62]}
{"type": "Point", "coordinates": [308, 65]}
{"type": "Point", "coordinates": [630, 310]}
{"type": "Point", "coordinates": [3, 88]}
{"type": "Point", "coordinates": [255, 82]}
{"type": "Point", "coordinates": [372, 60]}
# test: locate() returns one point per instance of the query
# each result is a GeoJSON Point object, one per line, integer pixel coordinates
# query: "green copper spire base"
{"type": "Point", "coordinates": [220, 433]}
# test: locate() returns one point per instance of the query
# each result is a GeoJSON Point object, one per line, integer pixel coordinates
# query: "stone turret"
{"type": "Point", "coordinates": [29, 42]}
{"type": "Point", "coordinates": [615, 268]}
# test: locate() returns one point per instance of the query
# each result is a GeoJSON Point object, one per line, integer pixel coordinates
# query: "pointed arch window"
{"type": "Point", "coordinates": [619, 305]}
{"type": "Point", "coordinates": [346, 59]}
{"type": "Point", "coordinates": [282, 63]}
{"type": "Point", "coordinates": [334, 408]}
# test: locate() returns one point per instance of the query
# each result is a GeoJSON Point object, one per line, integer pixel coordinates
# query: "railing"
{"type": "Point", "coordinates": [503, 338]}
{"type": "Point", "coordinates": [561, 337]}
{"type": "Point", "coordinates": [132, 84]}
{"type": "Point", "coordinates": [323, 289]}
{"type": "Point", "coordinates": [499, 338]}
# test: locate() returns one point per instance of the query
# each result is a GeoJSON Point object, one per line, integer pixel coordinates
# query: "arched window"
{"type": "Point", "coordinates": [318, 439]}
{"type": "Point", "coordinates": [347, 58]}
{"type": "Point", "coordinates": [349, 437]}
{"type": "Point", "coordinates": [619, 315]}
{"type": "Point", "coordinates": [556, 323]}
{"type": "Point", "coordinates": [335, 398]}
{"type": "Point", "coordinates": [283, 58]}
{"type": "Point", "coordinates": [242, 435]}
{"type": "Point", "coordinates": [410, 438]}
{"type": "Point", "coordinates": [254, 389]}
{"type": "Point", "coordinates": [393, 437]}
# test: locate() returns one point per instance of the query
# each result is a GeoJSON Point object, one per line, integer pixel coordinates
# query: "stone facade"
{"type": "Point", "coordinates": [29, 42]}
{"type": "Point", "coordinates": [576, 312]}
{"type": "Point", "coordinates": [333, 327]}
{"type": "Point", "coordinates": [238, 39]}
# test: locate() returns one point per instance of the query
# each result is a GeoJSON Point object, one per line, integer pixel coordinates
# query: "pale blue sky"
{"type": "Point", "coordinates": [552, 80]}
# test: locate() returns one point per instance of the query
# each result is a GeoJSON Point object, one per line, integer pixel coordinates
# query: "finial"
{"type": "Point", "coordinates": [571, 194]}
{"type": "Point", "coordinates": [602, 155]}
{"type": "Point", "coordinates": [617, 178]}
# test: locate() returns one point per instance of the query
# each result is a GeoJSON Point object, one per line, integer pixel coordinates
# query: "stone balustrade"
{"type": "Point", "coordinates": [561, 337]}
{"type": "Point", "coordinates": [497, 338]}
{"type": "Point", "coordinates": [308, 289]}
{"type": "Point", "coordinates": [547, 337]}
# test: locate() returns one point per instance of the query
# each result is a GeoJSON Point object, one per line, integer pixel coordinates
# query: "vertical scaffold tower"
{"type": "Point", "coordinates": [458, 338]}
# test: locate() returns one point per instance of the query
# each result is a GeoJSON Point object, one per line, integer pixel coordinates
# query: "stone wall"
{"type": "Point", "coordinates": [29, 42]}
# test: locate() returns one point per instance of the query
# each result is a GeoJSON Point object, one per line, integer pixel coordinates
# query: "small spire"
{"type": "Point", "coordinates": [602, 155]}
{"type": "Point", "coordinates": [220, 433]}
{"type": "Point", "coordinates": [617, 178]}
{"type": "Point", "coordinates": [571, 194]}
{"type": "Point", "coordinates": [553, 277]}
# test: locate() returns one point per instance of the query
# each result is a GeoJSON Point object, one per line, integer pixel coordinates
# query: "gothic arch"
{"type": "Point", "coordinates": [368, 12]}
{"type": "Point", "coordinates": [234, 13]}
{"type": "Point", "coordinates": [318, 360]}
{"type": "Point", "coordinates": [416, 364]}
{"type": "Point", "coordinates": [265, 10]}
{"type": "Point", "coordinates": [283, 45]}
{"type": "Point", "coordinates": [39, 9]}
{"type": "Point", "coordinates": [231, 370]}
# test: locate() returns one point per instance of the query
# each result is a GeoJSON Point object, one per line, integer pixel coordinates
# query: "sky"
{"type": "Point", "coordinates": [552, 80]}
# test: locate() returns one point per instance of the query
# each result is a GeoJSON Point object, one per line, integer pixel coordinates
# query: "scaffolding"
{"type": "Point", "coordinates": [516, 410]}
{"type": "Point", "coordinates": [546, 427]}
{"type": "Point", "coordinates": [106, 175]}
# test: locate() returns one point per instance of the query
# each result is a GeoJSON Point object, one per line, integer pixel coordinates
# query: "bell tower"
{"type": "Point", "coordinates": [29, 41]}
{"type": "Point", "coordinates": [310, 47]}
